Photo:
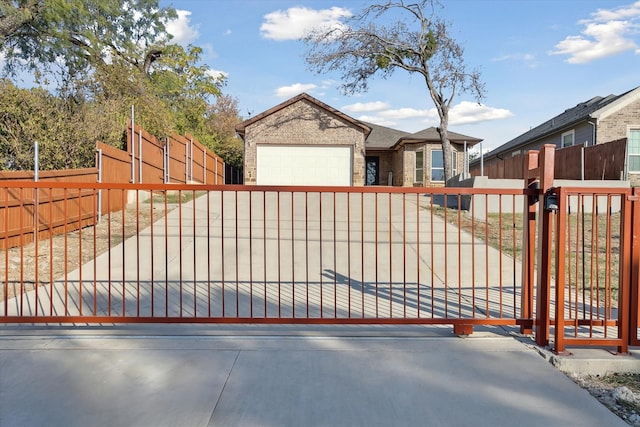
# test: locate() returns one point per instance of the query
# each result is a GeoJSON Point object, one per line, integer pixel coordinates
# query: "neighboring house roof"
{"type": "Point", "coordinates": [431, 135]}
{"type": "Point", "coordinates": [596, 107]}
{"type": "Point", "coordinates": [382, 137]}
{"type": "Point", "coordinates": [240, 128]}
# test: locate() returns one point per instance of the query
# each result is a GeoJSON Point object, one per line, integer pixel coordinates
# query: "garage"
{"type": "Point", "coordinates": [304, 165]}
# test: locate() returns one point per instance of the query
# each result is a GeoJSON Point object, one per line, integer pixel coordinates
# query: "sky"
{"type": "Point", "coordinates": [537, 59]}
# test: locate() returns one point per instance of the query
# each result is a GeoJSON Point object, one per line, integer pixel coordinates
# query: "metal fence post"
{"type": "Point", "coordinates": [546, 161]}
{"type": "Point", "coordinates": [530, 174]}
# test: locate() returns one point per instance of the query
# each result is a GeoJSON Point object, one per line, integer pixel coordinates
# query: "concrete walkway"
{"type": "Point", "coordinates": [286, 376]}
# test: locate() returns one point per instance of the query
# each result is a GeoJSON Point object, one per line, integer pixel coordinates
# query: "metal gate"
{"type": "Point", "coordinates": [194, 253]}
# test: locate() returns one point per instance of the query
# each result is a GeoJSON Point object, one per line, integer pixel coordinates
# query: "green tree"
{"type": "Point", "coordinates": [221, 122]}
{"type": "Point", "coordinates": [418, 42]}
{"type": "Point", "coordinates": [29, 115]}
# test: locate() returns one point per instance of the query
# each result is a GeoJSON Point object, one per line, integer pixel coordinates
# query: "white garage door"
{"type": "Point", "coordinates": [304, 165]}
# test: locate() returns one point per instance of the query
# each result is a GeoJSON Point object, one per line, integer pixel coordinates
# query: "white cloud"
{"type": "Point", "coordinates": [377, 120]}
{"type": "Point", "coordinates": [296, 22]}
{"type": "Point", "coordinates": [471, 112]}
{"type": "Point", "coordinates": [217, 74]}
{"type": "Point", "coordinates": [294, 89]}
{"type": "Point", "coordinates": [362, 107]}
{"type": "Point", "coordinates": [407, 113]}
{"type": "Point", "coordinates": [528, 59]}
{"type": "Point", "coordinates": [181, 30]}
{"type": "Point", "coordinates": [608, 32]}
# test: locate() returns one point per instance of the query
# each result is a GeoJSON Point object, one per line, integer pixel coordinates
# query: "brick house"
{"type": "Point", "coordinates": [304, 141]}
{"type": "Point", "coordinates": [595, 121]}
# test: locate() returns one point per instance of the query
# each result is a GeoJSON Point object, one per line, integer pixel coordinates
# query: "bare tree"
{"type": "Point", "coordinates": [416, 40]}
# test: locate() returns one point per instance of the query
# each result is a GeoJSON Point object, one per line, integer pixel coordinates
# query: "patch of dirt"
{"type": "Point", "coordinates": [26, 267]}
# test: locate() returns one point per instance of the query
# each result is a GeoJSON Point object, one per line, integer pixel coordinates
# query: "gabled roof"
{"type": "Point", "coordinates": [240, 127]}
{"type": "Point", "coordinates": [595, 107]}
{"type": "Point", "coordinates": [431, 135]}
{"type": "Point", "coordinates": [382, 137]}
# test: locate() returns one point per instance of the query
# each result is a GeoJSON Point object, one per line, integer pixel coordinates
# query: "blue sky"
{"type": "Point", "coordinates": [537, 58]}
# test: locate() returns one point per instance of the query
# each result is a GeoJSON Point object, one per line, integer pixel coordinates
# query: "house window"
{"type": "Point", "coordinates": [418, 175]}
{"type": "Point", "coordinates": [437, 165]}
{"type": "Point", "coordinates": [568, 138]}
{"type": "Point", "coordinates": [634, 150]}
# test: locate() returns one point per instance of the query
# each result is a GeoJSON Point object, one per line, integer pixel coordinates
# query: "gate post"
{"type": "Point", "coordinates": [530, 174]}
{"type": "Point", "coordinates": [634, 313]}
{"type": "Point", "coordinates": [546, 161]}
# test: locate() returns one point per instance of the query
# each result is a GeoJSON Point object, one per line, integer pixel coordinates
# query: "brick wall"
{"type": "Point", "coordinates": [615, 126]}
{"type": "Point", "coordinates": [303, 123]}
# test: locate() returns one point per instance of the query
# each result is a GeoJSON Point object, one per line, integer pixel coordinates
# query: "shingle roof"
{"type": "Point", "coordinates": [431, 134]}
{"type": "Point", "coordinates": [382, 137]}
{"type": "Point", "coordinates": [570, 116]}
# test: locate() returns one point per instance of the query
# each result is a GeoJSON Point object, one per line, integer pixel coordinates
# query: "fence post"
{"type": "Point", "coordinates": [530, 175]}
{"type": "Point", "coordinates": [546, 160]}
{"type": "Point", "coordinates": [634, 320]}
{"type": "Point", "coordinates": [140, 156]}
{"type": "Point", "coordinates": [133, 143]}
{"type": "Point", "coordinates": [99, 162]}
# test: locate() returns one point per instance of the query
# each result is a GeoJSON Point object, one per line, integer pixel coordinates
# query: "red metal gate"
{"type": "Point", "coordinates": [264, 255]}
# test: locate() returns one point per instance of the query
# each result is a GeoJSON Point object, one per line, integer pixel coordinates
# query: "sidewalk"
{"type": "Point", "coordinates": [247, 375]}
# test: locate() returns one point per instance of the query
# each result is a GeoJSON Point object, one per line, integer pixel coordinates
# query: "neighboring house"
{"type": "Point", "coordinates": [595, 121]}
{"type": "Point", "coordinates": [303, 141]}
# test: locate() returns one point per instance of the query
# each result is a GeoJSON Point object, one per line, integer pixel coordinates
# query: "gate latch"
{"type": "Point", "coordinates": [550, 201]}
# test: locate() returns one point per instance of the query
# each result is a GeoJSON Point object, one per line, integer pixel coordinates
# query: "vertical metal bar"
{"type": "Point", "coordinates": [208, 253]}
{"type": "Point", "coordinates": [108, 253]}
{"type": "Point", "coordinates": [250, 254]}
{"type": "Point", "coordinates": [152, 256]}
{"type": "Point", "coordinates": [222, 253]}
{"type": "Point", "coordinates": [66, 253]}
{"type": "Point", "coordinates": [36, 233]}
{"type": "Point", "coordinates": [124, 255]}
{"type": "Point", "coordinates": [390, 258]}
{"type": "Point", "coordinates": [195, 258]}
{"type": "Point", "coordinates": [362, 281]}
{"type": "Point", "coordinates": [624, 278]}
{"type": "Point", "coordinates": [473, 259]}
{"type": "Point", "coordinates": [264, 248]}
{"type": "Point", "coordinates": [349, 255]}
{"type": "Point", "coordinates": [418, 257]}
{"type": "Point", "coordinates": [80, 263]}
{"type": "Point", "coordinates": [22, 243]}
{"type": "Point", "coordinates": [237, 256]}
{"type": "Point", "coordinates": [376, 246]}
{"type": "Point", "coordinates": [166, 254]}
{"type": "Point", "coordinates": [293, 255]}
{"type": "Point", "coordinates": [279, 264]}
{"type": "Point", "coordinates": [432, 256]}
{"type": "Point", "coordinates": [51, 223]}
{"type": "Point", "coordinates": [6, 251]}
{"type": "Point", "coordinates": [404, 255]}
{"type": "Point", "coordinates": [133, 144]}
{"type": "Point", "coordinates": [459, 227]}
{"type": "Point", "coordinates": [320, 252]}
{"type": "Point", "coordinates": [335, 269]}
{"type": "Point", "coordinates": [446, 259]}
{"type": "Point", "coordinates": [138, 250]}
{"type": "Point", "coordinates": [306, 247]}
{"type": "Point", "coordinates": [501, 251]}
{"type": "Point", "coordinates": [560, 273]}
{"type": "Point", "coordinates": [180, 223]}
{"type": "Point", "coordinates": [140, 164]}
{"type": "Point", "coordinates": [486, 254]}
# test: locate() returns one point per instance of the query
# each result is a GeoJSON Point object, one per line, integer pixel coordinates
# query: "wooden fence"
{"type": "Point", "coordinates": [25, 212]}
{"type": "Point", "coordinates": [598, 162]}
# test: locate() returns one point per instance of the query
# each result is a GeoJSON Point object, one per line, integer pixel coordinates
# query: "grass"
{"type": "Point", "coordinates": [177, 196]}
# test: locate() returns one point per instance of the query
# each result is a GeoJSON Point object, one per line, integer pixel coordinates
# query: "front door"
{"type": "Point", "coordinates": [372, 166]}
